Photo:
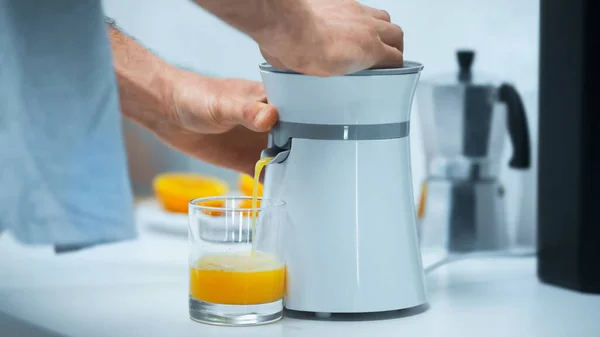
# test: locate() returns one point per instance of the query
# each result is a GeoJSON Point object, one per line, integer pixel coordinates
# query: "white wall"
{"type": "Point", "coordinates": [504, 34]}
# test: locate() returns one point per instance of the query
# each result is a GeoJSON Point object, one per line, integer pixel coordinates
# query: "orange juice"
{"type": "Point", "coordinates": [246, 185]}
{"type": "Point", "coordinates": [422, 199]}
{"type": "Point", "coordinates": [240, 279]}
{"type": "Point", "coordinates": [260, 164]}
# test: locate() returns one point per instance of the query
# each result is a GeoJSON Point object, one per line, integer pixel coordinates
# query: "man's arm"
{"type": "Point", "coordinates": [220, 121]}
{"type": "Point", "coordinates": [143, 81]}
{"type": "Point", "coordinates": [261, 19]}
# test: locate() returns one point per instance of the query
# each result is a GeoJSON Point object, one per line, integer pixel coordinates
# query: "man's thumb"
{"type": "Point", "coordinates": [257, 116]}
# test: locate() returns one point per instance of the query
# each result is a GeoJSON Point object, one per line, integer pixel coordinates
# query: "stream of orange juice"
{"type": "Point", "coordinates": [238, 279]}
{"type": "Point", "coordinates": [260, 164]}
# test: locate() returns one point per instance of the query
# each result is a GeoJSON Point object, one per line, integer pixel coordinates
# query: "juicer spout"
{"type": "Point", "coordinates": [278, 154]}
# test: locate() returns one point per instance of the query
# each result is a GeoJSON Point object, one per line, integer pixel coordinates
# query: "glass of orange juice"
{"type": "Point", "coordinates": [237, 270]}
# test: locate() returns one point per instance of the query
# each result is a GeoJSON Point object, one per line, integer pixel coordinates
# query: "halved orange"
{"type": "Point", "coordinates": [175, 190]}
{"type": "Point", "coordinates": [212, 203]}
{"type": "Point", "coordinates": [247, 203]}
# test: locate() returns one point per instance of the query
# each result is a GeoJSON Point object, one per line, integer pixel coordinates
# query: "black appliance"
{"type": "Point", "coordinates": [569, 152]}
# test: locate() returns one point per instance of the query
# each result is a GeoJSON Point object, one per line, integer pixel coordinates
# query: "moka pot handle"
{"type": "Point", "coordinates": [517, 126]}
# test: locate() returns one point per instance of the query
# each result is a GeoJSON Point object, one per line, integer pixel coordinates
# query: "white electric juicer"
{"type": "Point", "coordinates": [342, 165]}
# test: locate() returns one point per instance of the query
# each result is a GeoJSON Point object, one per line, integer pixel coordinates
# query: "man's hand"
{"type": "Point", "coordinates": [316, 37]}
{"type": "Point", "coordinates": [342, 37]}
{"type": "Point", "coordinates": [212, 105]}
{"type": "Point", "coordinates": [220, 121]}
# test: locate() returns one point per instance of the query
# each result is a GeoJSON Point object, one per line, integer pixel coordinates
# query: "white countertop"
{"type": "Point", "coordinates": [139, 288]}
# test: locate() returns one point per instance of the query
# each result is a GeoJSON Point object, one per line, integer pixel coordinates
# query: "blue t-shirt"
{"type": "Point", "coordinates": [63, 171]}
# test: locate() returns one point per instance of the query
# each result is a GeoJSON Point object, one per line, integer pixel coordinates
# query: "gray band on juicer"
{"type": "Point", "coordinates": [283, 131]}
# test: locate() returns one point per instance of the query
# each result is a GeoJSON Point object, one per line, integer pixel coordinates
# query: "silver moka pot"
{"type": "Point", "coordinates": [465, 119]}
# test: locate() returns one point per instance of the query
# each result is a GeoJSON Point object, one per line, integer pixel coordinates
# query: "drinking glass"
{"type": "Point", "coordinates": [237, 273]}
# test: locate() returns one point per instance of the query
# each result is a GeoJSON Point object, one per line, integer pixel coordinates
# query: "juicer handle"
{"type": "Point", "coordinates": [517, 126]}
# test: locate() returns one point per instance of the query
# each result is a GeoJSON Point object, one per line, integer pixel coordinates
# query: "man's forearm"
{"type": "Point", "coordinates": [261, 19]}
{"type": "Point", "coordinates": [141, 78]}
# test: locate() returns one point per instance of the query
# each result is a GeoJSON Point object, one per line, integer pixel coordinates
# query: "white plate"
{"type": "Point", "coordinates": [151, 215]}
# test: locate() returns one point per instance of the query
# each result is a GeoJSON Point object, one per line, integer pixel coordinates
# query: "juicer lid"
{"type": "Point", "coordinates": [408, 68]}
{"type": "Point", "coordinates": [464, 76]}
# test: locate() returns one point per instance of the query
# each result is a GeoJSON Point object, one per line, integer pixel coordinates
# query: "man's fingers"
{"type": "Point", "coordinates": [391, 34]}
{"type": "Point", "coordinates": [379, 14]}
{"type": "Point", "coordinates": [392, 58]}
{"type": "Point", "coordinates": [257, 116]}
